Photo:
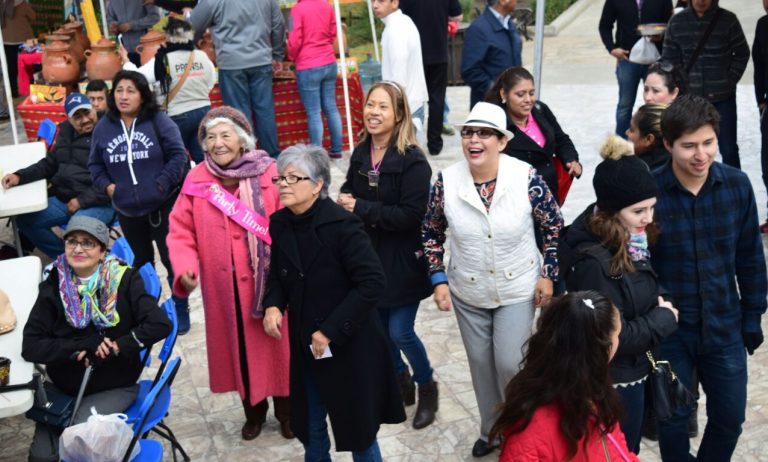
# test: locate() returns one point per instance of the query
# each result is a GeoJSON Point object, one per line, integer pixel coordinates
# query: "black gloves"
{"type": "Point", "coordinates": [752, 340]}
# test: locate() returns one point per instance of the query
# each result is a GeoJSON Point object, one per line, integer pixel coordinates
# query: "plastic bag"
{"type": "Point", "coordinates": [102, 438]}
{"type": "Point", "coordinates": [644, 52]}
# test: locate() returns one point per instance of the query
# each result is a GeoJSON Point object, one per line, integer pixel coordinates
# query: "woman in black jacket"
{"type": "Point", "coordinates": [387, 186]}
{"type": "Point", "coordinates": [644, 133]}
{"type": "Point", "coordinates": [606, 249]}
{"type": "Point", "coordinates": [324, 270]}
{"type": "Point", "coordinates": [91, 308]}
{"type": "Point", "coordinates": [538, 138]}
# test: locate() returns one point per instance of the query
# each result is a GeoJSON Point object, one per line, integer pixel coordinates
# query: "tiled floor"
{"type": "Point", "coordinates": [581, 91]}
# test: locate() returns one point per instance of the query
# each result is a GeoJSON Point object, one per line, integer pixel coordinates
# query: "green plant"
{"type": "Point", "coordinates": [553, 8]}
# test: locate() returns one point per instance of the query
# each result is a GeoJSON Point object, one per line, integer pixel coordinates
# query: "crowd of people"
{"type": "Point", "coordinates": [312, 299]}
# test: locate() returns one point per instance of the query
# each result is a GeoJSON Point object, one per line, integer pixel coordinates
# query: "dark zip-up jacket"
{"type": "Point", "coordinates": [626, 16]}
{"type": "Point", "coordinates": [66, 169]}
{"type": "Point", "coordinates": [723, 59]}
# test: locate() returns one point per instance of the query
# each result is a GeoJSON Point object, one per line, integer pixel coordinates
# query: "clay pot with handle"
{"type": "Point", "coordinates": [206, 44]}
{"type": "Point", "coordinates": [149, 44]}
{"type": "Point", "coordinates": [103, 61]}
{"type": "Point", "coordinates": [59, 66]}
{"type": "Point", "coordinates": [78, 52]}
{"type": "Point", "coordinates": [80, 36]}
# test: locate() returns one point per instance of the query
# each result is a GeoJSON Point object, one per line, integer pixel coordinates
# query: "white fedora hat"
{"type": "Point", "coordinates": [490, 116]}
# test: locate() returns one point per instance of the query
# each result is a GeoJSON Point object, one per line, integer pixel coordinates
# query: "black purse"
{"type": "Point", "coordinates": [668, 394]}
{"type": "Point", "coordinates": [54, 408]}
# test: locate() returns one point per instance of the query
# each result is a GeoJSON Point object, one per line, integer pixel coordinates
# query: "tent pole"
{"type": "Point", "coordinates": [373, 31]}
{"type": "Point", "coordinates": [103, 13]}
{"type": "Point", "coordinates": [7, 89]}
{"type": "Point", "coordinates": [538, 47]}
{"type": "Point", "coordinates": [344, 74]}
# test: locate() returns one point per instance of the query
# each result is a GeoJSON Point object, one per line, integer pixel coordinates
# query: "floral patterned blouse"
{"type": "Point", "coordinates": [546, 215]}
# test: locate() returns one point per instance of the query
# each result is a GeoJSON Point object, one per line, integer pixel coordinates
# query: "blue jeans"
{"type": "Point", "coordinates": [37, 225]}
{"type": "Point", "coordinates": [726, 140]}
{"type": "Point", "coordinates": [633, 402]}
{"type": "Point", "coordinates": [446, 112]}
{"type": "Point", "coordinates": [250, 91]}
{"type": "Point", "coordinates": [418, 114]}
{"type": "Point", "coordinates": [723, 374]}
{"type": "Point", "coordinates": [398, 323]}
{"type": "Point", "coordinates": [317, 88]}
{"type": "Point", "coordinates": [629, 76]}
{"type": "Point", "coordinates": [188, 123]}
{"type": "Point", "coordinates": [318, 449]}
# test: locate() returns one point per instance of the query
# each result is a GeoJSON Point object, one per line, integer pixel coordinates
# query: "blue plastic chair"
{"type": "Point", "coordinates": [152, 450]}
{"type": "Point", "coordinates": [47, 131]}
{"type": "Point", "coordinates": [151, 279]}
{"type": "Point", "coordinates": [122, 250]}
{"type": "Point", "coordinates": [133, 413]}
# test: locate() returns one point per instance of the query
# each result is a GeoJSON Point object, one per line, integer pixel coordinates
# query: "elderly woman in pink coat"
{"type": "Point", "coordinates": [219, 235]}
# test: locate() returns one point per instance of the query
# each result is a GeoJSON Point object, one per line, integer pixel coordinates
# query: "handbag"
{"type": "Point", "coordinates": [668, 394]}
{"type": "Point", "coordinates": [644, 52]}
{"type": "Point", "coordinates": [54, 408]}
{"type": "Point", "coordinates": [564, 180]}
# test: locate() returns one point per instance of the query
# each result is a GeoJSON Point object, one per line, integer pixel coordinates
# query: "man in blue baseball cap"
{"type": "Point", "coordinates": [71, 190]}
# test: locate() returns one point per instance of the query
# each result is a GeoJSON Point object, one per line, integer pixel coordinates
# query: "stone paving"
{"type": "Point", "coordinates": [580, 88]}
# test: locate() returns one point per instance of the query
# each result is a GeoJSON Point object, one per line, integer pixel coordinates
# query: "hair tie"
{"type": "Point", "coordinates": [588, 302]}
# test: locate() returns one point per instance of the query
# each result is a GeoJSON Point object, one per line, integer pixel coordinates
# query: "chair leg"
{"type": "Point", "coordinates": [174, 442]}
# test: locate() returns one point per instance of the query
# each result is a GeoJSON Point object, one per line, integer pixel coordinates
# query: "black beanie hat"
{"type": "Point", "coordinates": [622, 179]}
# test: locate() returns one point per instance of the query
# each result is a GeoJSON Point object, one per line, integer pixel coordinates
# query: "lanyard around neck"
{"type": "Point", "coordinates": [129, 141]}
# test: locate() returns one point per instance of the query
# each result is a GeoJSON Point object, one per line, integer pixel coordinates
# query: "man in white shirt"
{"type": "Point", "coordinates": [401, 55]}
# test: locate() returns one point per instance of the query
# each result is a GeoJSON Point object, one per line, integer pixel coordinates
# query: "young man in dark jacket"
{"type": "Point", "coordinates": [719, 66]}
{"type": "Point", "coordinates": [627, 15]}
{"type": "Point", "coordinates": [760, 60]}
{"type": "Point", "coordinates": [71, 190]}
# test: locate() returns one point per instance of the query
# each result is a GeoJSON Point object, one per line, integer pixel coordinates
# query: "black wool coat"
{"type": "Point", "coordinates": [392, 213]}
{"type": "Point", "coordinates": [585, 263]}
{"type": "Point", "coordinates": [558, 143]}
{"type": "Point", "coordinates": [336, 291]}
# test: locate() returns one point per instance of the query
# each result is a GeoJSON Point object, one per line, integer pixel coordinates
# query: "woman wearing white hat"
{"type": "Point", "coordinates": [496, 275]}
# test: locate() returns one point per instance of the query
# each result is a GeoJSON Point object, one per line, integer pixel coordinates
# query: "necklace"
{"type": "Point", "coordinates": [378, 147]}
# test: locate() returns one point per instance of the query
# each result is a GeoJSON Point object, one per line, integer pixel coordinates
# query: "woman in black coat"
{"type": "Point", "coordinates": [606, 249]}
{"type": "Point", "coordinates": [538, 138]}
{"type": "Point", "coordinates": [325, 271]}
{"type": "Point", "coordinates": [387, 186]}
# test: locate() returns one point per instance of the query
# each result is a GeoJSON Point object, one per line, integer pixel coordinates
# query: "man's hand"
{"type": "Point", "coordinates": [111, 190]}
{"type": "Point", "coordinates": [442, 296]}
{"type": "Point", "coordinates": [188, 280]}
{"type": "Point", "coordinates": [273, 320]}
{"type": "Point", "coordinates": [113, 27]}
{"type": "Point", "coordinates": [124, 27]}
{"type": "Point", "coordinates": [73, 205]}
{"type": "Point", "coordinates": [10, 180]}
{"type": "Point", "coordinates": [620, 53]}
{"type": "Point", "coordinates": [319, 344]}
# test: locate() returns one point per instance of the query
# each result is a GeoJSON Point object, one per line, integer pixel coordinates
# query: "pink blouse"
{"type": "Point", "coordinates": [534, 132]}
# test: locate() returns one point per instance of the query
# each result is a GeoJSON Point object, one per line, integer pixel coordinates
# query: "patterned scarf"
{"type": "Point", "coordinates": [638, 247]}
{"type": "Point", "coordinates": [96, 300]}
{"type": "Point", "coordinates": [248, 169]}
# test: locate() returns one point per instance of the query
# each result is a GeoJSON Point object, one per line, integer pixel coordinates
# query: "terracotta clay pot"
{"type": "Point", "coordinates": [103, 61]}
{"type": "Point", "coordinates": [206, 44]}
{"type": "Point", "coordinates": [149, 44]}
{"type": "Point", "coordinates": [80, 36]}
{"type": "Point", "coordinates": [59, 66]}
{"type": "Point", "coordinates": [77, 49]}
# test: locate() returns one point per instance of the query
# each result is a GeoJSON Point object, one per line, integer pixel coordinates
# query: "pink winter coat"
{"type": "Point", "coordinates": [204, 241]}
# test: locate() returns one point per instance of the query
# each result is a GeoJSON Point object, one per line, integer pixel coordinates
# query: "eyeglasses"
{"type": "Point", "coordinates": [86, 244]}
{"type": "Point", "coordinates": [664, 66]}
{"type": "Point", "coordinates": [289, 179]}
{"type": "Point", "coordinates": [482, 133]}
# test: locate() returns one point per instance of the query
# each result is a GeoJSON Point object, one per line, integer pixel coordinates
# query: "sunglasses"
{"type": "Point", "coordinates": [482, 133]}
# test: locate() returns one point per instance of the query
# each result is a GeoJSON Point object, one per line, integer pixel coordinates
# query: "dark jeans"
{"type": "Point", "coordinates": [629, 76]}
{"type": "Point", "coordinates": [141, 231]}
{"type": "Point", "coordinates": [399, 323]}
{"type": "Point", "coordinates": [250, 91]}
{"type": "Point", "coordinates": [726, 141]}
{"type": "Point", "coordinates": [633, 402]}
{"type": "Point", "coordinates": [188, 123]}
{"type": "Point", "coordinates": [437, 80]}
{"type": "Point", "coordinates": [723, 375]}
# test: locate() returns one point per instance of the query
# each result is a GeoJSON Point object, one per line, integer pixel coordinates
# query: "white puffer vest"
{"type": "Point", "coordinates": [493, 256]}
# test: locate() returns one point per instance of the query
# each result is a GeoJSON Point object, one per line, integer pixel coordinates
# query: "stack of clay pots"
{"type": "Point", "coordinates": [103, 60]}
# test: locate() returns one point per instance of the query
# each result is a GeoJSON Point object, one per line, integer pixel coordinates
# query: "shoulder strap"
{"type": "Point", "coordinates": [703, 40]}
{"type": "Point", "coordinates": [180, 83]}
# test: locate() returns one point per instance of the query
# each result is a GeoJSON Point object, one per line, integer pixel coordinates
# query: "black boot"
{"type": "Point", "coordinates": [283, 415]}
{"type": "Point", "coordinates": [425, 412]}
{"type": "Point", "coordinates": [407, 388]}
{"type": "Point", "coordinates": [254, 419]}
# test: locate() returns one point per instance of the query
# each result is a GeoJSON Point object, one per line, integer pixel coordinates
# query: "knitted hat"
{"type": "Point", "coordinates": [225, 112]}
{"type": "Point", "coordinates": [622, 179]}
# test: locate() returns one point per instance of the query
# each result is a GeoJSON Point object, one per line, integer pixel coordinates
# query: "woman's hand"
{"type": "Point", "coordinates": [574, 168]}
{"type": "Point", "coordinates": [111, 190]}
{"type": "Point", "coordinates": [273, 320]}
{"type": "Point", "coordinates": [106, 348]}
{"type": "Point", "coordinates": [123, 54]}
{"type": "Point", "coordinates": [442, 296]}
{"type": "Point", "coordinates": [347, 201]}
{"type": "Point", "coordinates": [668, 305]}
{"type": "Point", "coordinates": [319, 344]}
{"type": "Point", "coordinates": [542, 294]}
{"type": "Point", "coordinates": [188, 280]}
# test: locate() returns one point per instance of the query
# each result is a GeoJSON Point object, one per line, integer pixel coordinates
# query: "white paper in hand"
{"type": "Point", "coordinates": [326, 353]}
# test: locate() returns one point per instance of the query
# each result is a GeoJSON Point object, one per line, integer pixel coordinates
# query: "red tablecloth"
{"type": "Point", "coordinates": [289, 112]}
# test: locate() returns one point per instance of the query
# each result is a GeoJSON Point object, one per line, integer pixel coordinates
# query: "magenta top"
{"type": "Point", "coordinates": [311, 33]}
{"type": "Point", "coordinates": [534, 132]}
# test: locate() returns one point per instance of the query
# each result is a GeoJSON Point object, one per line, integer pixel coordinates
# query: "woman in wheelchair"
{"type": "Point", "coordinates": [92, 309]}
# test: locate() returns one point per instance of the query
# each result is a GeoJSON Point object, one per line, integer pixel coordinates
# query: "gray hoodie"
{"type": "Point", "coordinates": [246, 33]}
